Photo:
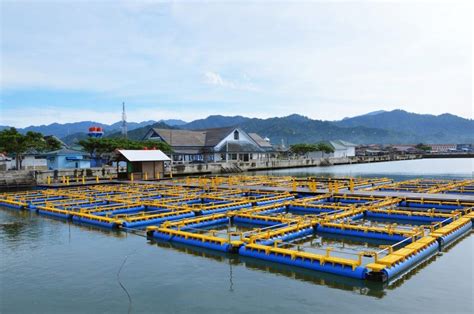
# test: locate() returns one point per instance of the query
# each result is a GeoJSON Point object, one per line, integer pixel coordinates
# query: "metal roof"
{"type": "Point", "coordinates": [190, 138]}
{"type": "Point", "coordinates": [260, 141]}
{"type": "Point", "coordinates": [66, 151]}
{"type": "Point", "coordinates": [182, 138]}
{"type": "Point", "coordinates": [216, 135]}
{"type": "Point", "coordinates": [340, 144]}
{"type": "Point", "coordinates": [144, 155]}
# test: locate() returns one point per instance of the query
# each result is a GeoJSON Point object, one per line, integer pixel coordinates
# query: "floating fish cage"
{"type": "Point", "coordinates": [340, 226]}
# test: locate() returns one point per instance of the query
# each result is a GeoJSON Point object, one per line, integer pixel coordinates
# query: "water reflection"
{"type": "Point", "coordinates": [372, 289]}
{"type": "Point", "coordinates": [13, 229]}
{"type": "Point", "coordinates": [22, 227]}
{"type": "Point", "coordinates": [115, 233]}
{"type": "Point", "coordinates": [398, 170]}
{"type": "Point", "coordinates": [399, 281]}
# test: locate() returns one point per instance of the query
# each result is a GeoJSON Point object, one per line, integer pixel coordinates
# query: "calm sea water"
{"type": "Point", "coordinates": [399, 170]}
{"type": "Point", "coordinates": [51, 266]}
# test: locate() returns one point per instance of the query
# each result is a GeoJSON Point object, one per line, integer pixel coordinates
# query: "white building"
{"type": "Point", "coordinates": [29, 161]}
{"type": "Point", "coordinates": [211, 145]}
{"type": "Point", "coordinates": [343, 148]}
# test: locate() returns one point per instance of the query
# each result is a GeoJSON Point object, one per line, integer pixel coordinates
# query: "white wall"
{"type": "Point", "coordinates": [28, 162]}
{"type": "Point", "coordinates": [346, 152]}
{"type": "Point", "coordinates": [243, 138]}
{"type": "Point", "coordinates": [351, 151]}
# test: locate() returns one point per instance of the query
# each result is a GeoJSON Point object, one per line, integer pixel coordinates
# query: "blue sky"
{"type": "Point", "coordinates": [325, 60]}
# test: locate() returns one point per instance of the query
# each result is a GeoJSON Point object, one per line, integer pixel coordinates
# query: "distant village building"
{"type": "Point", "coordinates": [142, 164]}
{"type": "Point", "coordinates": [372, 150]}
{"type": "Point", "coordinates": [443, 148]}
{"type": "Point", "coordinates": [343, 148]}
{"type": "Point", "coordinates": [213, 145]}
{"type": "Point", "coordinates": [67, 159]}
{"type": "Point", "coordinates": [465, 148]}
{"type": "Point", "coordinates": [30, 160]}
{"type": "Point", "coordinates": [406, 149]}
{"type": "Point", "coordinates": [5, 162]}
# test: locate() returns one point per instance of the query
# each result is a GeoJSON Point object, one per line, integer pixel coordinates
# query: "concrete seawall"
{"type": "Point", "coordinates": [17, 179]}
{"type": "Point", "coordinates": [235, 167]}
{"type": "Point", "coordinates": [28, 178]}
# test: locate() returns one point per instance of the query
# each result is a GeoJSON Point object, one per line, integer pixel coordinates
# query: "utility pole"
{"type": "Point", "coordinates": [124, 121]}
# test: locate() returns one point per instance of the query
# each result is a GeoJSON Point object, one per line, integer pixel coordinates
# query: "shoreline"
{"type": "Point", "coordinates": [14, 179]}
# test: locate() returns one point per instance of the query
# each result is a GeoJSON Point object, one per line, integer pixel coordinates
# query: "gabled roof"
{"type": "Point", "coordinates": [340, 144]}
{"type": "Point", "coordinates": [215, 136]}
{"type": "Point", "coordinates": [66, 151]}
{"type": "Point", "coordinates": [4, 157]}
{"type": "Point", "coordinates": [182, 137]}
{"type": "Point", "coordinates": [207, 139]}
{"type": "Point", "coordinates": [199, 138]}
{"type": "Point", "coordinates": [57, 139]}
{"type": "Point", "coordinates": [260, 141]}
{"type": "Point", "coordinates": [143, 155]}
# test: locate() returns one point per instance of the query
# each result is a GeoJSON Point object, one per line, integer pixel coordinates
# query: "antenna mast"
{"type": "Point", "coordinates": [124, 121]}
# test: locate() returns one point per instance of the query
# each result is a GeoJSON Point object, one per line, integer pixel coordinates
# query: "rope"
{"type": "Point", "coordinates": [122, 286]}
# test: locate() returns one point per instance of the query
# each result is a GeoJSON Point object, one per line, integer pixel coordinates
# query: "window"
{"type": "Point", "coordinates": [236, 135]}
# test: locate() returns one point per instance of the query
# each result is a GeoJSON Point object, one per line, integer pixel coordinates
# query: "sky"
{"type": "Point", "coordinates": [325, 60]}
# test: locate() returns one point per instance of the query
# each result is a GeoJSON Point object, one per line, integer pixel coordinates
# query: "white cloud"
{"type": "Point", "coordinates": [322, 59]}
{"type": "Point", "coordinates": [216, 79]}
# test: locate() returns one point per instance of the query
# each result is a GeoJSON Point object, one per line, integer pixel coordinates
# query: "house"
{"type": "Point", "coordinates": [33, 160]}
{"type": "Point", "coordinates": [212, 145]}
{"type": "Point", "coordinates": [142, 164]}
{"type": "Point", "coordinates": [65, 158]}
{"type": "Point", "coordinates": [370, 150]}
{"type": "Point", "coordinates": [405, 149]}
{"type": "Point", "coordinates": [443, 148]}
{"type": "Point", "coordinates": [5, 162]}
{"type": "Point", "coordinates": [343, 148]}
{"type": "Point", "coordinates": [465, 148]}
{"type": "Point", "coordinates": [29, 160]}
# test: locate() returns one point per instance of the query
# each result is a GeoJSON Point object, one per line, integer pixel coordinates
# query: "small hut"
{"type": "Point", "coordinates": [142, 164]}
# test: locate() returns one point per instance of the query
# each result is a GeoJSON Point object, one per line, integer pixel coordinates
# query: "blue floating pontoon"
{"type": "Point", "coordinates": [411, 261]}
{"type": "Point", "coordinates": [337, 269]}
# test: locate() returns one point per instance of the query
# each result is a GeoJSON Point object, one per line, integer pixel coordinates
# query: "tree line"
{"type": "Point", "coordinates": [98, 147]}
{"type": "Point", "coordinates": [303, 148]}
{"type": "Point", "coordinates": [15, 144]}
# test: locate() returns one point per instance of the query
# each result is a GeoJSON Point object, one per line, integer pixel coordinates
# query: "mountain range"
{"type": "Point", "coordinates": [383, 127]}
